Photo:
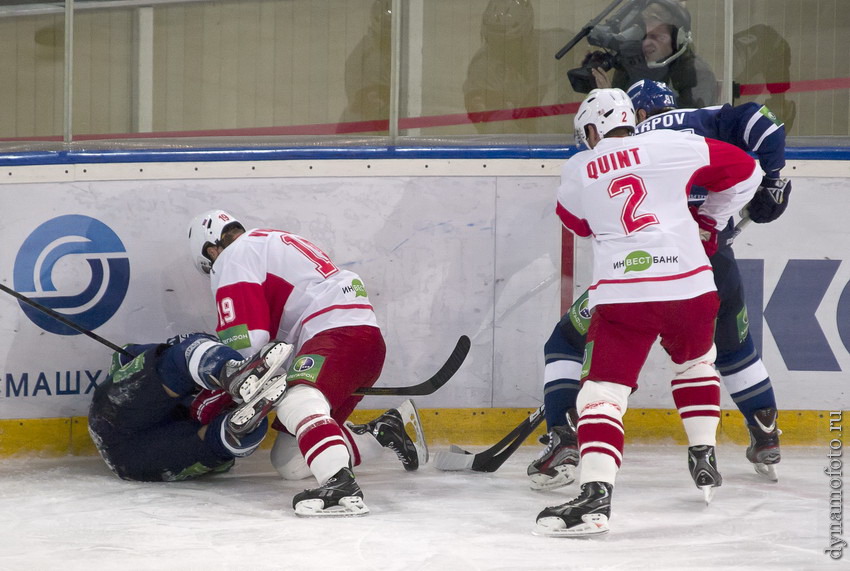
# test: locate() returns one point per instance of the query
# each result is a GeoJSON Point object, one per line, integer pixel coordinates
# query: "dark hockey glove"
{"type": "Point", "coordinates": [707, 231]}
{"type": "Point", "coordinates": [770, 200]}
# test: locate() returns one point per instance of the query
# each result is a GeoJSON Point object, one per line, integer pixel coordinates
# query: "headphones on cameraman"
{"type": "Point", "coordinates": [679, 18]}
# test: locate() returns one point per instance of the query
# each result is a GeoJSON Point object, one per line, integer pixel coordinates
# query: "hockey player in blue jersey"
{"type": "Point", "coordinates": [755, 129]}
{"type": "Point", "coordinates": [150, 423]}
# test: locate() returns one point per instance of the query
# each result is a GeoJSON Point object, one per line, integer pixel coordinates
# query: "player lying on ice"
{"type": "Point", "coordinates": [190, 406]}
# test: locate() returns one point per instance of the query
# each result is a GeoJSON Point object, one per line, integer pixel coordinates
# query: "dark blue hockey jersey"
{"type": "Point", "coordinates": [750, 126]}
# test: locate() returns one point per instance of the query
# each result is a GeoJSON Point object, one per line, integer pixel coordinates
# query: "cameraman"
{"type": "Point", "coordinates": [668, 56]}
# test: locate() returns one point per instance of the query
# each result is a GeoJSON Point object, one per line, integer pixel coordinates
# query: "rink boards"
{"type": "Point", "coordinates": [445, 246]}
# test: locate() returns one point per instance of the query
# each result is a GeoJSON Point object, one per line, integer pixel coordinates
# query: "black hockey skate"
{"type": "Point", "coordinates": [763, 451]}
{"type": "Point", "coordinates": [391, 431]}
{"type": "Point", "coordinates": [340, 496]}
{"type": "Point", "coordinates": [254, 383]}
{"type": "Point", "coordinates": [585, 516]}
{"type": "Point", "coordinates": [555, 467]}
{"type": "Point", "coordinates": [703, 466]}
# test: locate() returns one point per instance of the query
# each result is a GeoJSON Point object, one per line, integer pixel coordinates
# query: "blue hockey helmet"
{"type": "Point", "coordinates": [651, 95]}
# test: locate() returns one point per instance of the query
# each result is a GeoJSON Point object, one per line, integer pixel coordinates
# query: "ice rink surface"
{"type": "Point", "coordinates": [72, 513]}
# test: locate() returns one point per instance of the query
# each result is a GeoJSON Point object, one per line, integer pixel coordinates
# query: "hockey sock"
{"type": "Point", "coordinates": [601, 406]}
{"type": "Point", "coordinates": [696, 392]}
{"type": "Point", "coordinates": [305, 412]}
{"type": "Point", "coordinates": [561, 378]}
{"type": "Point", "coordinates": [745, 377]}
{"type": "Point", "coordinates": [755, 398]}
{"type": "Point", "coordinates": [363, 447]}
{"type": "Point", "coordinates": [560, 394]}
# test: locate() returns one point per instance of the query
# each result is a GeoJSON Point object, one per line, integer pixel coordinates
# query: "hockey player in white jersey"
{"type": "Point", "coordinates": [271, 284]}
{"type": "Point", "coordinates": [755, 129]}
{"type": "Point", "coordinates": [651, 278]}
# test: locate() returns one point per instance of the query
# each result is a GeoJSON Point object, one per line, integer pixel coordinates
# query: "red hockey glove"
{"type": "Point", "coordinates": [707, 231]}
{"type": "Point", "coordinates": [209, 404]}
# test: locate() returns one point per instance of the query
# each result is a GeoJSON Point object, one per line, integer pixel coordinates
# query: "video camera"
{"type": "Point", "coordinates": [620, 50]}
{"type": "Point", "coordinates": [620, 38]}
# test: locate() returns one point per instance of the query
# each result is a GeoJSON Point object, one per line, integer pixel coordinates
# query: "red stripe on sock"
{"type": "Point", "coordinates": [313, 430]}
{"type": "Point", "coordinates": [609, 432]}
{"type": "Point", "coordinates": [355, 451]}
{"type": "Point", "coordinates": [703, 397]}
{"type": "Point", "coordinates": [329, 444]}
{"type": "Point", "coordinates": [601, 450]}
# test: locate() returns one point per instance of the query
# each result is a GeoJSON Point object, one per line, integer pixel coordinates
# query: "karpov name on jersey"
{"type": "Point", "coordinates": [669, 120]}
{"type": "Point", "coordinates": [612, 161]}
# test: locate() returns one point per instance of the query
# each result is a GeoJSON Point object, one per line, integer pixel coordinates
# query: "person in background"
{"type": "Point", "coordinates": [651, 279]}
{"type": "Point", "coordinates": [274, 284]}
{"type": "Point", "coordinates": [755, 129]}
{"type": "Point", "coordinates": [668, 56]}
{"type": "Point", "coordinates": [512, 73]}
{"type": "Point", "coordinates": [367, 74]}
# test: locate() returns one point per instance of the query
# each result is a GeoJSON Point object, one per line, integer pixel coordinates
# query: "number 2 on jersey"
{"type": "Point", "coordinates": [633, 186]}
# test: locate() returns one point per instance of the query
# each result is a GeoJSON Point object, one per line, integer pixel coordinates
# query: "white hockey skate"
{"type": "Point", "coordinates": [254, 382]}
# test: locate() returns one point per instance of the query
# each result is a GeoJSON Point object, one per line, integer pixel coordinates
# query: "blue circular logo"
{"type": "Point", "coordinates": [304, 363]}
{"type": "Point", "coordinates": [87, 249]}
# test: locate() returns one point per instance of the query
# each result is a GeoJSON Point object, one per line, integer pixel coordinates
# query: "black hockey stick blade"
{"type": "Point", "coordinates": [431, 385]}
{"type": "Point", "coordinates": [490, 460]}
{"type": "Point", "coordinates": [65, 321]}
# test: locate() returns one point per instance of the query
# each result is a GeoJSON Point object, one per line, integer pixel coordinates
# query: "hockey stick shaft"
{"type": "Point", "coordinates": [739, 227]}
{"type": "Point", "coordinates": [491, 459]}
{"type": "Point", "coordinates": [430, 385]}
{"type": "Point", "coordinates": [425, 388]}
{"type": "Point", "coordinates": [65, 321]}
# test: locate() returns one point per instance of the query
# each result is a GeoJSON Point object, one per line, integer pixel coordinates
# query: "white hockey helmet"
{"type": "Point", "coordinates": [205, 230]}
{"type": "Point", "coordinates": [607, 109]}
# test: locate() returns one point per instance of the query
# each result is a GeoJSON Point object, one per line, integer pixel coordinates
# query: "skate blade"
{"type": "Point", "coordinates": [277, 356]}
{"type": "Point", "coordinates": [593, 525]}
{"type": "Point", "coordinates": [272, 361]}
{"type": "Point", "coordinates": [564, 477]}
{"type": "Point", "coordinates": [410, 418]}
{"type": "Point", "coordinates": [351, 506]}
{"type": "Point", "coordinates": [248, 416]}
{"type": "Point", "coordinates": [767, 470]}
{"type": "Point", "coordinates": [708, 493]}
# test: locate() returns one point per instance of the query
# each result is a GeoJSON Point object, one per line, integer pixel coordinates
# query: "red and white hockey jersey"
{"type": "Point", "coordinates": [271, 284]}
{"type": "Point", "coordinates": [630, 194]}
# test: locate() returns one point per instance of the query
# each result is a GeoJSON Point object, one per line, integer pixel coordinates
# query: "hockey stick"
{"type": "Point", "coordinates": [424, 388]}
{"type": "Point", "coordinates": [456, 458]}
{"type": "Point", "coordinates": [63, 320]}
{"type": "Point", "coordinates": [428, 386]}
{"type": "Point", "coordinates": [739, 227]}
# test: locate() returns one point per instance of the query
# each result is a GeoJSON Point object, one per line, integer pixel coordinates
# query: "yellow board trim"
{"type": "Point", "coordinates": [463, 426]}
